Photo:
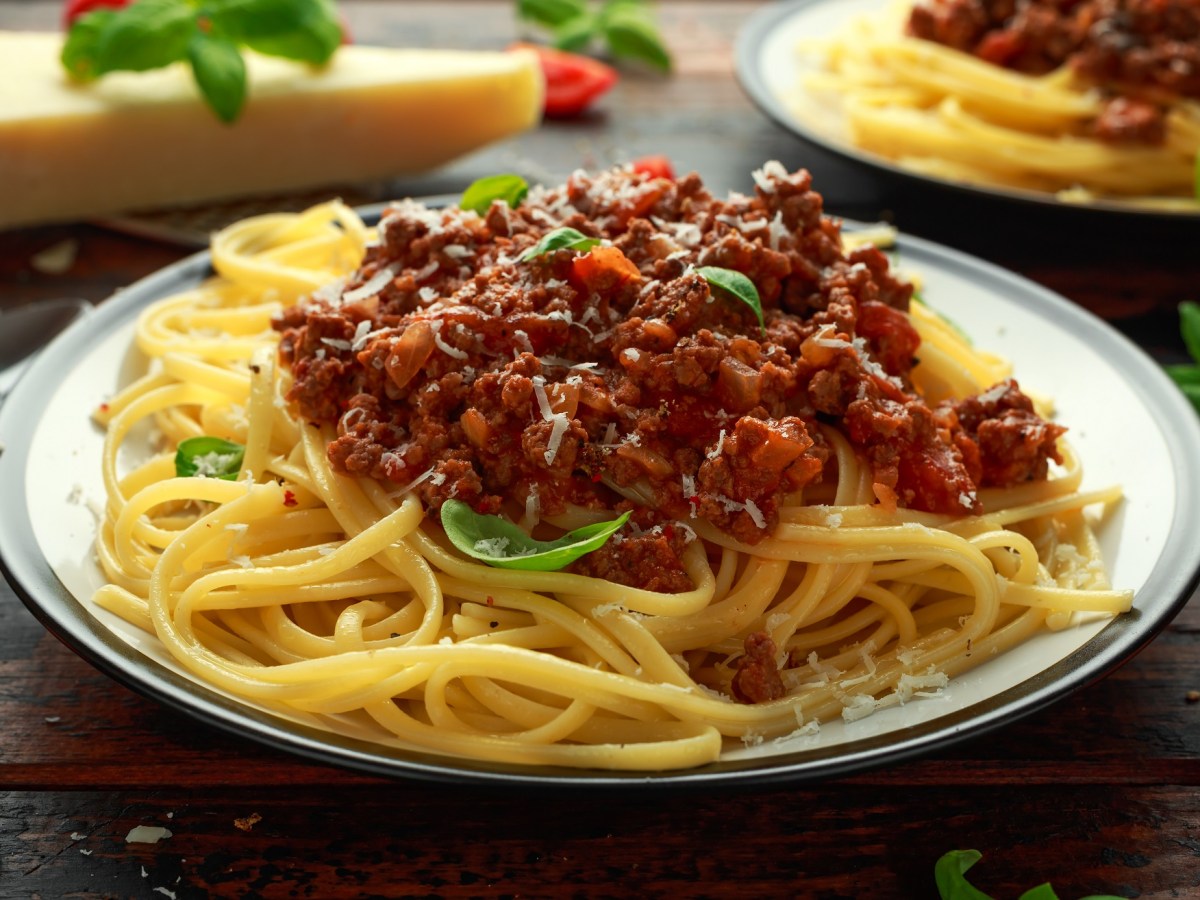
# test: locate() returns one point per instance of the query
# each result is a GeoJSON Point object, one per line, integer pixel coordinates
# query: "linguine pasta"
{"type": "Point", "coordinates": [337, 600]}
{"type": "Point", "coordinates": [938, 111]}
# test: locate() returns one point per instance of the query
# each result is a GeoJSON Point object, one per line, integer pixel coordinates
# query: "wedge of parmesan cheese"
{"type": "Point", "coordinates": [140, 140]}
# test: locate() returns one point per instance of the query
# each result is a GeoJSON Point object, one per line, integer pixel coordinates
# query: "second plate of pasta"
{"type": "Point", "coordinates": [845, 75]}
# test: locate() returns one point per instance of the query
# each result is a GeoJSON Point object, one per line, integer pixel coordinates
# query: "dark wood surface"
{"type": "Point", "coordinates": [1100, 793]}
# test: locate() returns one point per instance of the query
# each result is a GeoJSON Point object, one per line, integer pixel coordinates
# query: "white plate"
{"type": "Point", "coordinates": [1129, 423]}
{"type": "Point", "coordinates": [771, 71]}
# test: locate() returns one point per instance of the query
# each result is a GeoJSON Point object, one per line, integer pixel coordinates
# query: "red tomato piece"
{"type": "Point", "coordinates": [572, 81]}
{"type": "Point", "coordinates": [603, 269]}
{"type": "Point", "coordinates": [73, 9]}
{"type": "Point", "coordinates": [655, 166]}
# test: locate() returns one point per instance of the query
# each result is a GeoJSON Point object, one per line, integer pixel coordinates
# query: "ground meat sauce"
{"type": "Point", "coordinates": [598, 378]}
{"type": "Point", "coordinates": [1143, 53]}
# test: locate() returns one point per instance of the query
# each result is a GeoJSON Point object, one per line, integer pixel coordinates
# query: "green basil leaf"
{"type": "Point", "coordinates": [632, 34]}
{"type": "Point", "coordinates": [1041, 892]}
{"type": "Point", "coordinates": [1184, 374]}
{"type": "Point", "coordinates": [220, 73]}
{"type": "Point", "coordinates": [209, 457]}
{"type": "Point", "coordinates": [551, 13]}
{"type": "Point", "coordinates": [498, 542]}
{"type": "Point", "coordinates": [1189, 327]}
{"type": "Point", "coordinates": [575, 34]}
{"type": "Point", "coordinates": [480, 193]}
{"type": "Point", "coordinates": [79, 49]}
{"type": "Point", "coordinates": [303, 30]}
{"type": "Point", "coordinates": [738, 285]}
{"type": "Point", "coordinates": [949, 873]}
{"type": "Point", "coordinates": [1192, 392]}
{"type": "Point", "coordinates": [148, 34]}
{"type": "Point", "coordinates": [559, 239]}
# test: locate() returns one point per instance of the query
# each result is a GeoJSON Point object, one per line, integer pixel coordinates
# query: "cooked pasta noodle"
{"type": "Point", "coordinates": [938, 111]}
{"type": "Point", "coordinates": [336, 601]}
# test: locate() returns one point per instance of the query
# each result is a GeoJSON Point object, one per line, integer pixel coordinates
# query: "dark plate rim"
{"type": "Point", "coordinates": [758, 29]}
{"type": "Point", "coordinates": [1168, 587]}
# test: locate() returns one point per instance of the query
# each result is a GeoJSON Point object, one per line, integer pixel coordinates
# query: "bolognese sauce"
{"type": "Point", "coordinates": [455, 363]}
{"type": "Point", "coordinates": [1143, 53]}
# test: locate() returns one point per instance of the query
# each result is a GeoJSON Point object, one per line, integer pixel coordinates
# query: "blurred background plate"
{"type": "Point", "coordinates": [771, 69]}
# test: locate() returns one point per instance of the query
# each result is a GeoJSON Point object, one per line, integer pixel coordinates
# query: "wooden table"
{"type": "Point", "coordinates": [1099, 793]}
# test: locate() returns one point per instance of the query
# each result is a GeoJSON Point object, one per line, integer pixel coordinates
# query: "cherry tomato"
{"type": "Point", "coordinates": [572, 81]}
{"type": "Point", "coordinates": [655, 166]}
{"type": "Point", "coordinates": [603, 268]}
{"type": "Point", "coordinates": [73, 9]}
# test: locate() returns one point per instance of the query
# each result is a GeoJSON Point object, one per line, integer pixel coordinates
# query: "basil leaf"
{"type": "Point", "coordinates": [1189, 327]}
{"type": "Point", "coordinates": [551, 13]}
{"type": "Point", "coordinates": [575, 34]}
{"type": "Point", "coordinates": [1041, 892]}
{"type": "Point", "coordinates": [1184, 374]}
{"type": "Point", "coordinates": [949, 873]}
{"type": "Point", "coordinates": [79, 49]}
{"type": "Point", "coordinates": [559, 239]}
{"type": "Point", "coordinates": [209, 457]}
{"type": "Point", "coordinates": [303, 30]}
{"type": "Point", "coordinates": [1192, 392]}
{"type": "Point", "coordinates": [738, 285]}
{"type": "Point", "coordinates": [498, 542]}
{"type": "Point", "coordinates": [148, 34]}
{"type": "Point", "coordinates": [480, 193]}
{"type": "Point", "coordinates": [220, 73]}
{"type": "Point", "coordinates": [632, 34]}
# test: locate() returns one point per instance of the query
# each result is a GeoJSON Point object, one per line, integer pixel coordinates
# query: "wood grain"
{"type": "Point", "coordinates": [1100, 793]}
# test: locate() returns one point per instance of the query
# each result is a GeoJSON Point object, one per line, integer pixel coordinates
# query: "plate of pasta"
{"type": "Point", "coordinates": [611, 481]}
{"type": "Point", "coordinates": [1096, 107]}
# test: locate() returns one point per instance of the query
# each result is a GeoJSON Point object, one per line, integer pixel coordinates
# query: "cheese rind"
{"type": "Point", "coordinates": [137, 140]}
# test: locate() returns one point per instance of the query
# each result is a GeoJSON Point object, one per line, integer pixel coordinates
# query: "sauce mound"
{"type": "Point", "coordinates": [615, 377]}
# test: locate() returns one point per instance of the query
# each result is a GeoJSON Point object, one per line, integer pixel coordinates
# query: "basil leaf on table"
{"type": "Point", "coordinates": [220, 73]}
{"type": "Point", "coordinates": [559, 239]}
{"type": "Point", "coordinates": [1191, 387]}
{"type": "Point", "coordinates": [551, 13]}
{"type": "Point", "coordinates": [736, 284]}
{"type": "Point", "coordinates": [1189, 327]}
{"type": "Point", "coordinates": [209, 457]}
{"type": "Point", "coordinates": [574, 35]}
{"type": "Point", "coordinates": [498, 542]}
{"type": "Point", "coordinates": [632, 34]}
{"type": "Point", "coordinates": [480, 193]}
{"type": "Point", "coordinates": [949, 873]}
{"type": "Point", "coordinates": [303, 30]}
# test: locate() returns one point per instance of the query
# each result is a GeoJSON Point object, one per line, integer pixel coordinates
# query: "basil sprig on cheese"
{"type": "Point", "coordinates": [208, 37]}
{"type": "Point", "coordinates": [498, 542]}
